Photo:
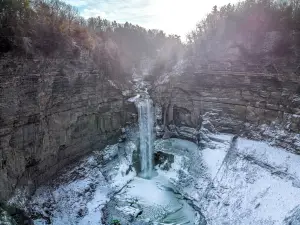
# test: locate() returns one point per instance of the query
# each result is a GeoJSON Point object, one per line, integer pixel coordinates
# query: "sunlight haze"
{"type": "Point", "coordinates": [173, 17]}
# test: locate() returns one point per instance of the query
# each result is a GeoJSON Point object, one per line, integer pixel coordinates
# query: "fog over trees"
{"type": "Point", "coordinates": [265, 32]}
{"type": "Point", "coordinates": [53, 28]}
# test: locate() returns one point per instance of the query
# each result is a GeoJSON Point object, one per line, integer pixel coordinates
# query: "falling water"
{"type": "Point", "coordinates": [146, 124]}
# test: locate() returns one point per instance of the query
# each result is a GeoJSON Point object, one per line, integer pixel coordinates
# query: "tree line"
{"type": "Point", "coordinates": [251, 20]}
{"type": "Point", "coordinates": [54, 28]}
{"type": "Point", "coordinates": [50, 26]}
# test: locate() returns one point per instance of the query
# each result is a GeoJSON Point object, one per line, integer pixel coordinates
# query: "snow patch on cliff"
{"type": "Point", "coordinates": [240, 182]}
{"type": "Point", "coordinates": [79, 195]}
{"type": "Point", "coordinates": [256, 184]}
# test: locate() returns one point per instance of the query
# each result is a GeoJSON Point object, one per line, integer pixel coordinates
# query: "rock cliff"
{"type": "Point", "coordinates": [52, 112]}
{"type": "Point", "coordinates": [243, 83]}
{"type": "Point", "coordinates": [235, 102]}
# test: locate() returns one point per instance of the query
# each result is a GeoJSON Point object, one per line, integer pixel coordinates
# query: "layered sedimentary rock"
{"type": "Point", "coordinates": [236, 102]}
{"type": "Point", "coordinates": [52, 112]}
{"type": "Point", "coordinates": [240, 84]}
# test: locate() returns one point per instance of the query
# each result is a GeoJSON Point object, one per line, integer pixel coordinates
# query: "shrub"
{"type": "Point", "coordinates": [115, 222]}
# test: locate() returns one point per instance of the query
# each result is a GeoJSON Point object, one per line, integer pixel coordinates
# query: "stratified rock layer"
{"type": "Point", "coordinates": [235, 102]}
{"type": "Point", "coordinates": [52, 112]}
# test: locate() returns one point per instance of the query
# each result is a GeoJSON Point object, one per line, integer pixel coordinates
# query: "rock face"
{"type": "Point", "coordinates": [13, 216]}
{"type": "Point", "coordinates": [52, 112]}
{"type": "Point", "coordinates": [235, 102]}
{"type": "Point", "coordinates": [241, 83]}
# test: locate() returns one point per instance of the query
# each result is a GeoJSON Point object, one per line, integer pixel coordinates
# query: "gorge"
{"type": "Point", "coordinates": [114, 124]}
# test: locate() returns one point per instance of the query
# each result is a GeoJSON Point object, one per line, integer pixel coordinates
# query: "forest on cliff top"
{"type": "Point", "coordinates": [53, 28]}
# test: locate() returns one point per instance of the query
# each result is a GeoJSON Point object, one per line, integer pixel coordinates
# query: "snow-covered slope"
{"type": "Point", "coordinates": [230, 181]}
{"type": "Point", "coordinates": [242, 182]}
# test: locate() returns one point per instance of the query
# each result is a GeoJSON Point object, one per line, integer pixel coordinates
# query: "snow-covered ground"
{"type": "Point", "coordinates": [152, 201]}
{"type": "Point", "coordinates": [257, 184]}
{"type": "Point", "coordinates": [227, 182]}
{"type": "Point", "coordinates": [78, 196]}
{"type": "Point", "coordinates": [245, 182]}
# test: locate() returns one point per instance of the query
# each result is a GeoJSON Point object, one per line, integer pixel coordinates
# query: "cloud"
{"type": "Point", "coordinates": [171, 16]}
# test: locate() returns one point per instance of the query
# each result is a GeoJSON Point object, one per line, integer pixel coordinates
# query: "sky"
{"type": "Point", "coordinates": [172, 16]}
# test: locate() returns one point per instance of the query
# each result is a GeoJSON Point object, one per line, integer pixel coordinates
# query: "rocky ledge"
{"type": "Point", "coordinates": [261, 106]}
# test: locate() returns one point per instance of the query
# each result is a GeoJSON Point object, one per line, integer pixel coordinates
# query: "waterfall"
{"type": "Point", "coordinates": [146, 124]}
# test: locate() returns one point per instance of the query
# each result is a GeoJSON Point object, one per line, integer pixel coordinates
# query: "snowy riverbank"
{"type": "Point", "coordinates": [226, 182]}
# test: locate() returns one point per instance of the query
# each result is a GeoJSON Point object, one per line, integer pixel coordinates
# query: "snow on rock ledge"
{"type": "Point", "coordinates": [241, 182]}
{"type": "Point", "coordinates": [256, 184]}
{"type": "Point", "coordinates": [78, 195]}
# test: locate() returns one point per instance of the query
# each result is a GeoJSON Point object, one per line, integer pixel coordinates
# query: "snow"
{"type": "Point", "coordinates": [129, 210]}
{"type": "Point", "coordinates": [121, 179]}
{"type": "Point", "coordinates": [172, 173]}
{"type": "Point", "coordinates": [255, 187]}
{"type": "Point", "coordinates": [222, 137]}
{"type": "Point", "coordinates": [94, 207]}
{"type": "Point", "coordinates": [70, 198]}
{"type": "Point", "coordinates": [276, 157]}
{"type": "Point", "coordinates": [155, 200]}
{"type": "Point", "coordinates": [133, 99]}
{"type": "Point", "coordinates": [82, 192]}
{"type": "Point", "coordinates": [147, 192]}
{"type": "Point", "coordinates": [213, 158]}
{"type": "Point", "coordinates": [250, 183]}
{"type": "Point", "coordinates": [112, 83]}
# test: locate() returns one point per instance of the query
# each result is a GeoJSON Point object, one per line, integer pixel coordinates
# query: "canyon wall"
{"type": "Point", "coordinates": [255, 105]}
{"type": "Point", "coordinates": [241, 84]}
{"type": "Point", "coordinates": [52, 112]}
